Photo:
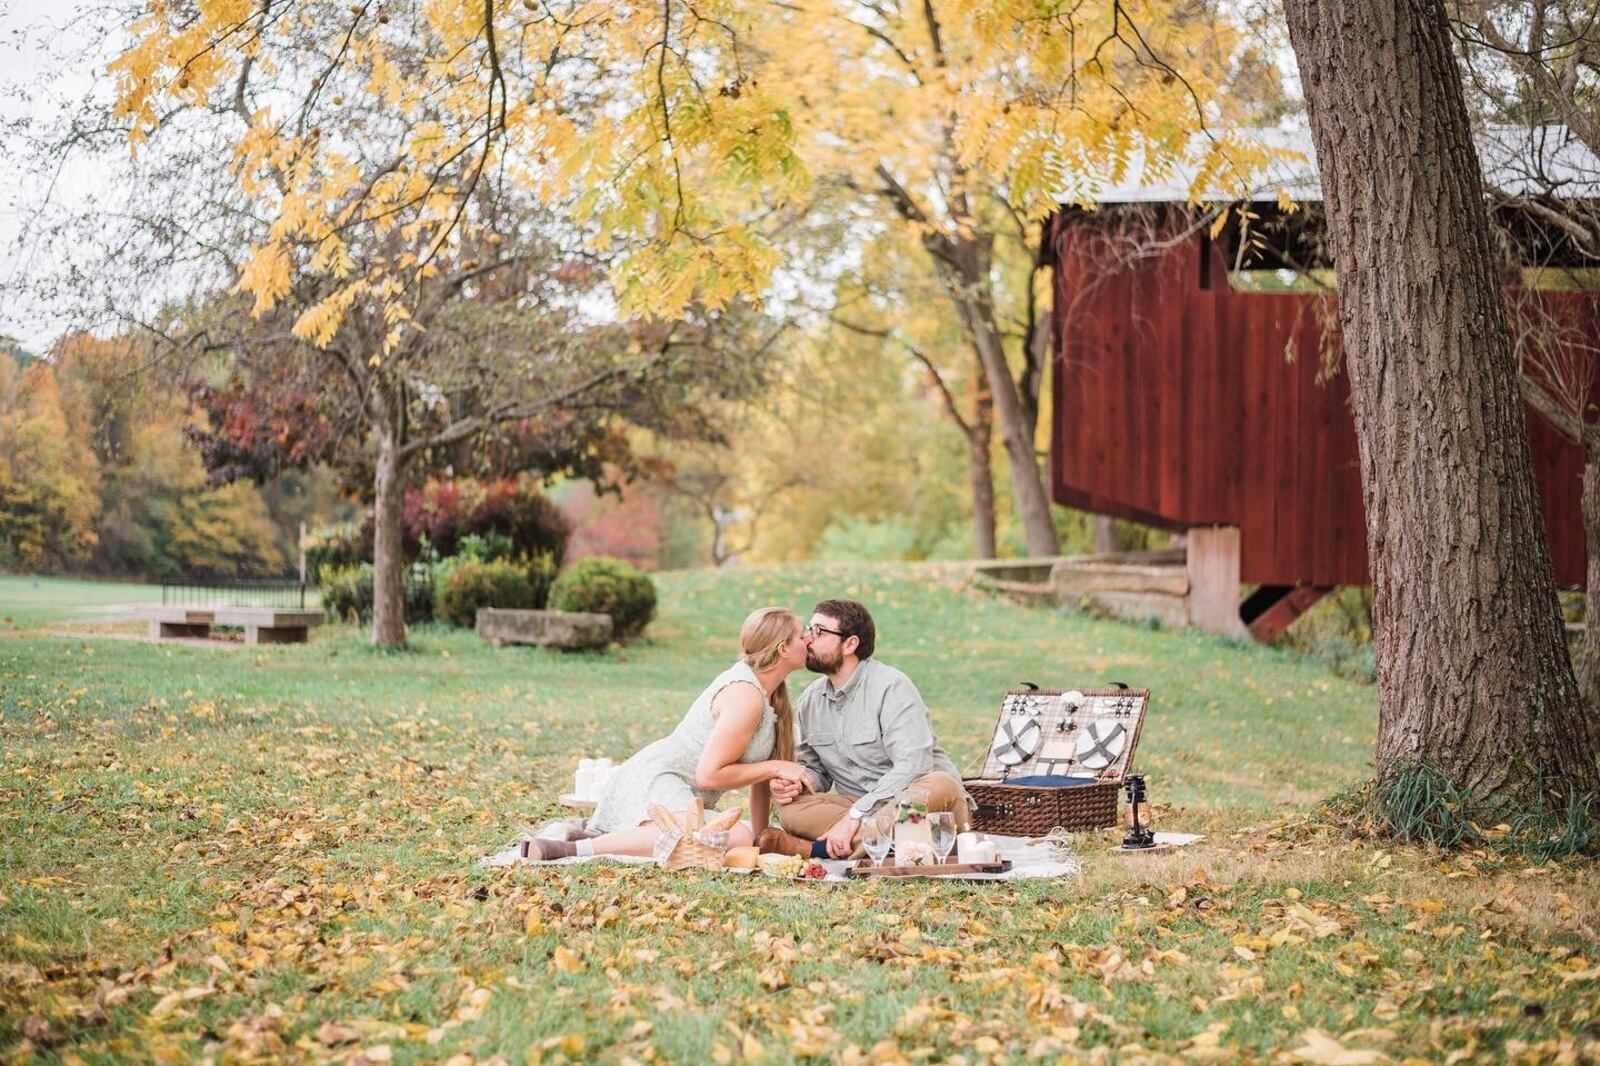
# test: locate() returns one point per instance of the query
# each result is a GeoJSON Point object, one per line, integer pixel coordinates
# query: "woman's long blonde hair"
{"type": "Point", "coordinates": [765, 635]}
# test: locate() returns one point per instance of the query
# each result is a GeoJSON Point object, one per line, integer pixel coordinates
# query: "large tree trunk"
{"type": "Point", "coordinates": [388, 554]}
{"type": "Point", "coordinates": [980, 470]}
{"type": "Point", "coordinates": [1474, 678]}
{"type": "Point", "coordinates": [1027, 486]}
{"type": "Point", "coordinates": [1589, 677]}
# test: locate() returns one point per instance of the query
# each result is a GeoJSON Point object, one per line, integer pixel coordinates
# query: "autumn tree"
{"type": "Point", "coordinates": [669, 133]}
{"type": "Point", "coordinates": [954, 129]}
{"type": "Point", "coordinates": [49, 479]}
{"type": "Point", "coordinates": [160, 515]}
{"type": "Point", "coordinates": [846, 439]}
{"type": "Point", "coordinates": [898, 299]}
{"type": "Point", "coordinates": [1473, 672]}
{"type": "Point", "coordinates": [373, 191]}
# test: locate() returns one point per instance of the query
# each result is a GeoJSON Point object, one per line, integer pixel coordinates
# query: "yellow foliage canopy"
{"type": "Point", "coordinates": [669, 133]}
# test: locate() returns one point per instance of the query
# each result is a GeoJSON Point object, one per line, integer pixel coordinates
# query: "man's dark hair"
{"type": "Point", "coordinates": [854, 621]}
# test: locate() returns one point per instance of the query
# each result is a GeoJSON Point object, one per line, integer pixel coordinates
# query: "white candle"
{"type": "Point", "coordinates": [975, 848]}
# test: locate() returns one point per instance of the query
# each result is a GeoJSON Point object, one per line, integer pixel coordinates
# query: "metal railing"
{"type": "Point", "coordinates": [234, 592]}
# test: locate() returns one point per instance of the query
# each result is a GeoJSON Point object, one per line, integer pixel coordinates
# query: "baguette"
{"type": "Point", "coordinates": [664, 818]}
{"type": "Point", "coordinates": [724, 821]}
{"type": "Point", "coordinates": [695, 817]}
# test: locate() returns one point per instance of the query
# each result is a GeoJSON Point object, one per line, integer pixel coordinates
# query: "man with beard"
{"type": "Point", "coordinates": [865, 737]}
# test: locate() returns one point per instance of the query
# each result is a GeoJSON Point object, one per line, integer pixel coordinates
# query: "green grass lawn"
{"type": "Point", "coordinates": [269, 852]}
{"type": "Point", "coordinates": [28, 603]}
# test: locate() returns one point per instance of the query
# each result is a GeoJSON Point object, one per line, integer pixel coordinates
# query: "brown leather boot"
{"type": "Point", "coordinates": [775, 840]}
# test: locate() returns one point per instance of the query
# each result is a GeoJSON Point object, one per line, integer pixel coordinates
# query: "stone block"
{"type": "Point", "coordinates": [1073, 579]}
{"type": "Point", "coordinates": [568, 630]}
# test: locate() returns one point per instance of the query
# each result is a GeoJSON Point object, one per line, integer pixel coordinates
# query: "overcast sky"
{"type": "Point", "coordinates": [35, 35]}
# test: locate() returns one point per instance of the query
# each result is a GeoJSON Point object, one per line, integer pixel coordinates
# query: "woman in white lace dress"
{"type": "Point", "coordinates": [738, 733]}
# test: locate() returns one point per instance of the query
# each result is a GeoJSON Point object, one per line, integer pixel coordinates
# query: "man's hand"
{"type": "Point", "coordinates": [841, 838]}
{"type": "Point", "coordinates": [784, 790]}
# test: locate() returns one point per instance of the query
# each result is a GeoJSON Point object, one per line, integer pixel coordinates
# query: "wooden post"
{"type": "Point", "coordinates": [1213, 567]}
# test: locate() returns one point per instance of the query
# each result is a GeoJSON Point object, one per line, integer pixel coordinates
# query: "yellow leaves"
{"type": "Point", "coordinates": [565, 960]}
{"type": "Point", "coordinates": [170, 1002]}
{"type": "Point", "coordinates": [331, 1034]}
{"type": "Point", "coordinates": [266, 275]}
{"type": "Point", "coordinates": [1320, 1049]}
{"type": "Point", "coordinates": [1206, 1045]}
{"type": "Point", "coordinates": [1575, 970]}
{"type": "Point", "coordinates": [1219, 223]}
{"type": "Point", "coordinates": [318, 323]}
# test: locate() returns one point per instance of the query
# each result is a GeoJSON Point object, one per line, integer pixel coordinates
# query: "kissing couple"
{"type": "Point", "coordinates": [865, 736]}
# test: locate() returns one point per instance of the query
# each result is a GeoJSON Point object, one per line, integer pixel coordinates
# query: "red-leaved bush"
{"type": "Point", "coordinates": [447, 510]}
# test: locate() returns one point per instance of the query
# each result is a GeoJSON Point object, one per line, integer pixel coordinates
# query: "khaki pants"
{"type": "Point", "coordinates": [811, 816]}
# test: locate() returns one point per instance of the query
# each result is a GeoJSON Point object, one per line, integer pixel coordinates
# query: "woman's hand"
{"type": "Point", "coordinates": [793, 773]}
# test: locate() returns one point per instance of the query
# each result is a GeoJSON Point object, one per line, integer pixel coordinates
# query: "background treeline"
{"type": "Point", "coordinates": [843, 456]}
{"type": "Point", "coordinates": [97, 475]}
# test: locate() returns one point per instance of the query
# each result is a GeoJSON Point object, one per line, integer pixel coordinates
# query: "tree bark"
{"type": "Point", "coordinates": [976, 306]}
{"type": "Point", "coordinates": [980, 470]}
{"type": "Point", "coordinates": [1589, 677]}
{"type": "Point", "coordinates": [1474, 678]}
{"type": "Point", "coordinates": [388, 554]}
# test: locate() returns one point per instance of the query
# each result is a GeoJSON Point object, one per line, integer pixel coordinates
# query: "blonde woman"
{"type": "Point", "coordinates": [738, 733]}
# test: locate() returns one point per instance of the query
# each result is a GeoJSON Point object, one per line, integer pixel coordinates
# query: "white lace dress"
{"type": "Point", "coordinates": [663, 772]}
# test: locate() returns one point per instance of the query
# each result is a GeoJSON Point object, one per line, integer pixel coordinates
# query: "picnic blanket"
{"type": "Point", "coordinates": [1029, 862]}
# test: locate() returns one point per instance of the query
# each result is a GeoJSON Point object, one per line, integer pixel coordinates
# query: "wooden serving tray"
{"type": "Point", "coordinates": [867, 868]}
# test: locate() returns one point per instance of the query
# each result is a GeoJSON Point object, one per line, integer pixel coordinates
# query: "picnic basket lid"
{"type": "Point", "coordinates": [1051, 731]}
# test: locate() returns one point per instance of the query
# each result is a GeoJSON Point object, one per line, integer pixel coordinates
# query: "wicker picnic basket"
{"type": "Point", "coordinates": [1049, 731]}
{"type": "Point", "coordinates": [681, 846]}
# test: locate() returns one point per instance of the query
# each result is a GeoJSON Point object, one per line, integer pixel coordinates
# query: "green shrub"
{"type": "Point", "coordinates": [337, 546]}
{"type": "Point", "coordinates": [849, 538]}
{"type": "Point", "coordinates": [470, 585]}
{"type": "Point", "coordinates": [487, 547]}
{"type": "Point", "coordinates": [607, 586]}
{"type": "Point", "coordinates": [347, 593]}
{"type": "Point", "coordinates": [541, 573]}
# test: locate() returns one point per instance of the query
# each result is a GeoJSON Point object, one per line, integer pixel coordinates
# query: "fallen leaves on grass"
{"type": "Point", "coordinates": [295, 884]}
{"type": "Point", "coordinates": [1321, 1049]}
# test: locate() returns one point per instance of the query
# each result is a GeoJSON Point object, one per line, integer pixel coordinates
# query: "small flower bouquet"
{"type": "Point", "coordinates": [913, 853]}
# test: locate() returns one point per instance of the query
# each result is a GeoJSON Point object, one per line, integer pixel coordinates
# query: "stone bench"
{"type": "Point", "coordinates": [567, 630]}
{"type": "Point", "coordinates": [261, 625]}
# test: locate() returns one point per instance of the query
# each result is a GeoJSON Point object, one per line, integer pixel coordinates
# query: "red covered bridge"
{"type": "Point", "coordinates": [1188, 399]}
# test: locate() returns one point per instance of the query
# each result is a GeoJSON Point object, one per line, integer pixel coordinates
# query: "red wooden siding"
{"type": "Point", "coordinates": [1179, 406]}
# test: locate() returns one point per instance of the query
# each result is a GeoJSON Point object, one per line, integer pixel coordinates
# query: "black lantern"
{"type": "Point", "coordinates": [1139, 837]}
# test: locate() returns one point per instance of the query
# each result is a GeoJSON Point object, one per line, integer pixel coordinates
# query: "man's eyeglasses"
{"type": "Point", "coordinates": [813, 630]}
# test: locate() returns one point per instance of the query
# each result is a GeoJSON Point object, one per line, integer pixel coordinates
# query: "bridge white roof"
{"type": "Point", "coordinates": [1517, 161]}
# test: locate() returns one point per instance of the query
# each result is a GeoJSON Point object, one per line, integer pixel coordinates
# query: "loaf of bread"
{"type": "Point", "coordinates": [724, 821]}
{"type": "Point", "coordinates": [740, 858]}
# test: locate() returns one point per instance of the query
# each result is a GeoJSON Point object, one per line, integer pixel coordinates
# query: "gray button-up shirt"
{"type": "Point", "coordinates": [871, 738]}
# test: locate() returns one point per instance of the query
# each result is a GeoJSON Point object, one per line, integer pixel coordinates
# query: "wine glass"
{"type": "Point", "coordinates": [942, 826]}
{"type": "Point", "coordinates": [878, 836]}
